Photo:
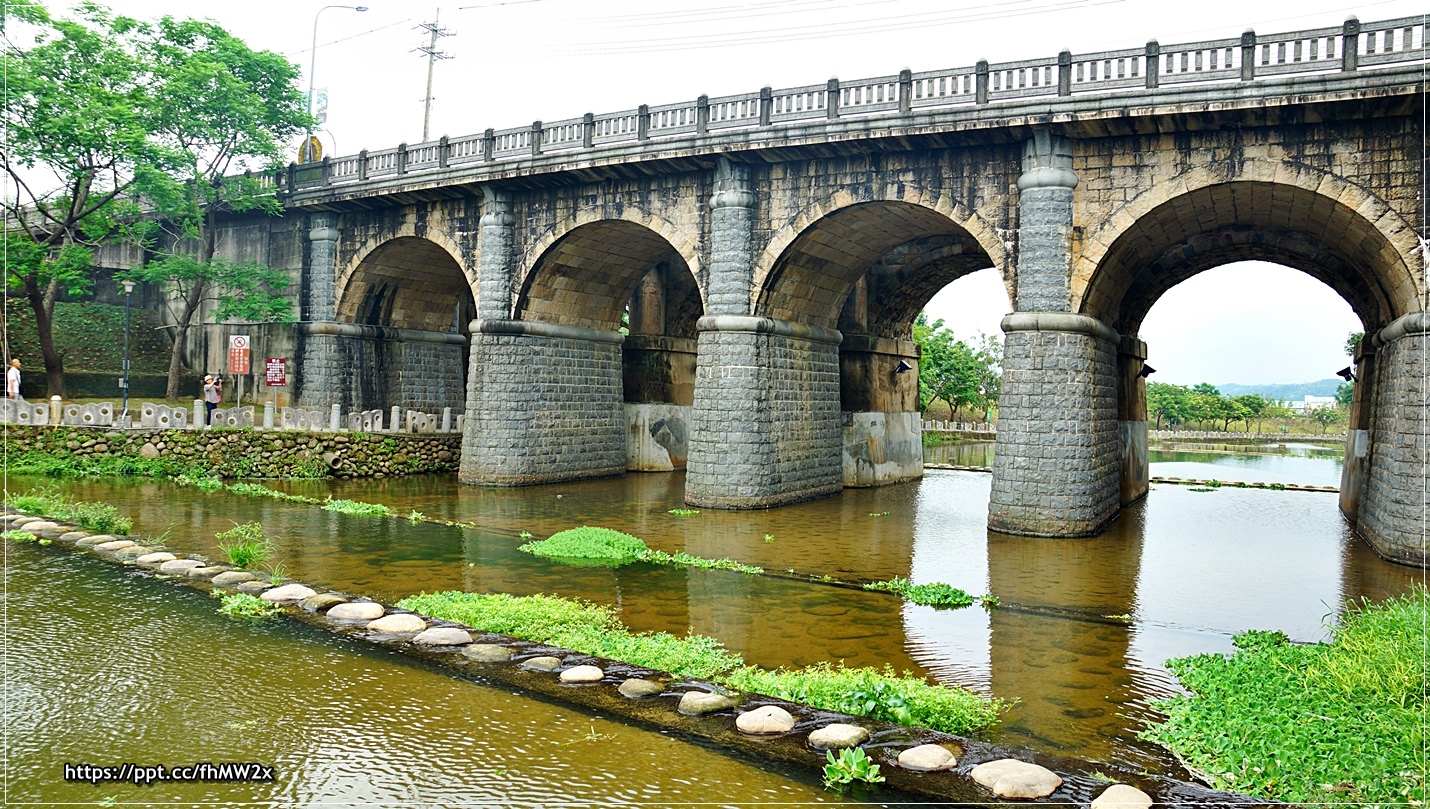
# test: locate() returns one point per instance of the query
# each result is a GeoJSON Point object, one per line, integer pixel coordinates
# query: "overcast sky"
{"type": "Point", "coordinates": [516, 61]}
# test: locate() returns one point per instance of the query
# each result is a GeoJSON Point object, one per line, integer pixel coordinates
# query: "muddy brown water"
{"type": "Point", "coordinates": [1080, 642]}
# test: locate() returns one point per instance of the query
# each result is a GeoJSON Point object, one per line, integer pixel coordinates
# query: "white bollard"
{"type": "Point", "coordinates": [335, 418]}
{"type": "Point", "coordinates": [55, 408]}
{"type": "Point", "coordinates": [396, 424]}
{"type": "Point", "coordinates": [199, 415]}
{"type": "Point", "coordinates": [446, 419]}
{"type": "Point", "coordinates": [268, 409]}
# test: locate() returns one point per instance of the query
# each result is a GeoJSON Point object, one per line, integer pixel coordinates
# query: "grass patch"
{"type": "Point", "coordinates": [356, 508]}
{"type": "Point", "coordinates": [1337, 722]}
{"type": "Point", "coordinates": [102, 517]}
{"type": "Point", "coordinates": [933, 594]}
{"type": "Point", "coordinates": [47, 464]}
{"type": "Point", "coordinates": [204, 483]}
{"type": "Point", "coordinates": [597, 630]}
{"type": "Point", "coordinates": [684, 512]}
{"type": "Point", "coordinates": [247, 546]}
{"type": "Point", "coordinates": [603, 546]}
{"type": "Point", "coordinates": [245, 606]}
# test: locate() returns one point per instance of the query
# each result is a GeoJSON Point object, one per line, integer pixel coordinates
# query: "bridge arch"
{"type": "Point", "coordinates": [843, 217]}
{"type": "Point", "coordinates": [434, 253]}
{"type": "Point", "coordinates": [1288, 214]}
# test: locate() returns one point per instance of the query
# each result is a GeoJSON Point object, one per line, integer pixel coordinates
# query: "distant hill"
{"type": "Point", "coordinates": [1293, 391]}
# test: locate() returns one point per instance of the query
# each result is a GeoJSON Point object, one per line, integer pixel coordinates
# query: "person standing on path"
{"type": "Point", "coordinates": [211, 398]}
{"type": "Point", "coordinates": [12, 381]}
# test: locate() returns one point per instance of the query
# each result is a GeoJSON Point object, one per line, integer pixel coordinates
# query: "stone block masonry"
{"type": "Point", "coordinates": [1392, 508]}
{"type": "Point", "coordinates": [544, 404]}
{"type": "Point", "coordinates": [765, 427]}
{"type": "Point", "coordinates": [251, 453]}
{"type": "Point", "coordinates": [1055, 467]}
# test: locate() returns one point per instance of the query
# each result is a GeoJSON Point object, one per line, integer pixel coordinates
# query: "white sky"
{"type": "Point", "coordinates": [516, 61]}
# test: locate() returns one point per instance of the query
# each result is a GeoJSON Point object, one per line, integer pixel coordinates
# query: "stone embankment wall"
{"type": "Point", "coordinates": [253, 453]}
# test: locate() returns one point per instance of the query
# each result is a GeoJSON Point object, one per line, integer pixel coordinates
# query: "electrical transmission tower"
{"type": "Point", "coordinates": [436, 32]}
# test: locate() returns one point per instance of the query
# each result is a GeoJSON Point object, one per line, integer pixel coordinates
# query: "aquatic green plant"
{"type": "Point", "coordinates": [525, 535]}
{"type": "Point", "coordinates": [16, 535]}
{"type": "Point", "coordinates": [203, 483]}
{"type": "Point", "coordinates": [102, 517]}
{"type": "Point", "coordinates": [596, 630]}
{"type": "Point", "coordinates": [278, 574]}
{"type": "Point", "coordinates": [1340, 722]}
{"type": "Point", "coordinates": [246, 546]}
{"type": "Point", "coordinates": [684, 512]}
{"type": "Point", "coordinates": [416, 517]}
{"type": "Point", "coordinates": [988, 601]}
{"type": "Point", "coordinates": [769, 538]}
{"type": "Point", "coordinates": [64, 465]}
{"type": "Point", "coordinates": [357, 508]}
{"type": "Point", "coordinates": [603, 546]}
{"type": "Point", "coordinates": [246, 606]}
{"type": "Point", "coordinates": [312, 467]}
{"type": "Point", "coordinates": [1200, 489]}
{"type": "Point", "coordinates": [851, 766]}
{"type": "Point", "coordinates": [933, 594]}
{"type": "Point", "coordinates": [878, 514]}
{"type": "Point", "coordinates": [1280, 487]}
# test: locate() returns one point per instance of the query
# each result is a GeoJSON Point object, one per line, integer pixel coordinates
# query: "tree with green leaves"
{"type": "Point", "coordinates": [78, 118]}
{"type": "Point", "coordinates": [1325, 416]}
{"type": "Point", "coordinates": [1345, 392]}
{"type": "Point", "coordinates": [221, 108]}
{"type": "Point", "coordinates": [1253, 407]}
{"type": "Point", "coordinates": [1169, 402]}
{"type": "Point", "coordinates": [962, 375]}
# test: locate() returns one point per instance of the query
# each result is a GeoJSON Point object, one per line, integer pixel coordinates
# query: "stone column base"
{"type": "Point", "coordinates": [882, 448]}
{"type": "Point", "coordinates": [657, 437]}
{"type": "Point", "coordinates": [1055, 465]}
{"type": "Point", "coordinates": [1392, 507]}
{"type": "Point", "coordinates": [1135, 471]}
{"type": "Point", "coordinates": [544, 404]}
{"type": "Point", "coordinates": [765, 427]}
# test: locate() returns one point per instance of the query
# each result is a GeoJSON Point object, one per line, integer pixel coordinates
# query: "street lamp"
{"type": "Point", "coordinates": [312, 65]}
{"type": "Point", "coordinates": [124, 413]}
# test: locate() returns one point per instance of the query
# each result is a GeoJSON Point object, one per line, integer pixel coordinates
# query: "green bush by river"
{"type": "Point", "coordinates": [1338, 722]}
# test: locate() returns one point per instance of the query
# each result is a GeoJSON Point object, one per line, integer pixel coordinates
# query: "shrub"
{"type": "Point", "coordinates": [246, 546]}
{"type": "Point", "coordinates": [102, 517]}
{"type": "Point", "coordinates": [243, 605]}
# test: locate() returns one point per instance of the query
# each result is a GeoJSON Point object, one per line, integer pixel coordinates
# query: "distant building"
{"type": "Point", "coordinates": [1312, 403]}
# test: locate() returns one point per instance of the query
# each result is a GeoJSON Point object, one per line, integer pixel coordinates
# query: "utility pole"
{"type": "Point", "coordinates": [436, 32]}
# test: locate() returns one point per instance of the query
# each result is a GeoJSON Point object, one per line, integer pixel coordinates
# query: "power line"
{"type": "Point", "coordinates": [433, 56]}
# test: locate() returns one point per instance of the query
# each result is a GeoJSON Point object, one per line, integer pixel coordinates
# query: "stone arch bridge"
{"type": "Point", "coordinates": [728, 284]}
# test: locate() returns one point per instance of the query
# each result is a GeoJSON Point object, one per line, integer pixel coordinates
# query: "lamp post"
{"type": "Point", "coordinates": [124, 413]}
{"type": "Point", "coordinates": [312, 65]}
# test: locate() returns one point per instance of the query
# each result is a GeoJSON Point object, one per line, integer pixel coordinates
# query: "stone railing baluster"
{"type": "Point", "coordinates": [702, 114]}
{"type": "Point", "coordinates": [1248, 56]}
{"type": "Point", "coordinates": [831, 99]}
{"type": "Point", "coordinates": [767, 105]}
{"type": "Point", "coordinates": [536, 132]}
{"type": "Point", "coordinates": [906, 91]}
{"type": "Point", "coordinates": [362, 165]}
{"type": "Point", "coordinates": [1065, 73]}
{"type": "Point", "coordinates": [444, 150]}
{"type": "Point", "coordinates": [981, 74]}
{"type": "Point", "coordinates": [1350, 44]}
{"type": "Point", "coordinates": [1154, 66]}
{"type": "Point", "coordinates": [489, 145]}
{"type": "Point", "coordinates": [643, 122]}
{"type": "Point", "coordinates": [401, 158]}
{"type": "Point", "coordinates": [588, 130]}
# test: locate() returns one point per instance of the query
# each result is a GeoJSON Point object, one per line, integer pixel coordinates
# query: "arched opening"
{"type": "Point", "coordinates": [410, 304]}
{"type": "Point", "coordinates": [869, 270]}
{"type": "Point", "coordinates": [1290, 225]}
{"type": "Point", "coordinates": [621, 276]}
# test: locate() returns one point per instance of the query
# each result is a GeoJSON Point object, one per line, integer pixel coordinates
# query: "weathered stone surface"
{"type": "Point", "coordinates": [582, 674]}
{"type": "Point", "coordinates": [73, 536]}
{"type": "Point", "coordinates": [357, 611]}
{"type": "Point", "coordinates": [156, 558]}
{"type": "Point", "coordinates": [544, 663]}
{"type": "Point", "coordinates": [398, 623]}
{"type": "Point", "coordinates": [179, 565]}
{"type": "Point", "coordinates": [1122, 796]}
{"type": "Point", "coordinates": [229, 578]}
{"type": "Point", "coordinates": [132, 552]}
{"type": "Point", "coordinates": [38, 525]}
{"type": "Point", "coordinates": [95, 539]}
{"type": "Point", "coordinates": [837, 736]}
{"type": "Point", "coordinates": [443, 636]}
{"type": "Point", "coordinates": [288, 592]}
{"type": "Point", "coordinates": [322, 601]}
{"type": "Point", "coordinates": [207, 571]}
{"type": "Point", "coordinates": [111, 547]}
{"type": "Point", "coordinates": [149, 451]}
{"type": "Point", "coordinates": [699, 703]}
{"type": "Point", "coordinates": [1011, 778]}
{"type": "Point", "coordinates": [487, 652]}
{"type": "Point", "coordinates": [254, 587]}
{"type": "Point", "coordinates": [927, 758]}
{"type": "Point", "coordinates": [765, 719]}
{"type": "Point", "coordinates": [17, 521]}
{"type": "Point", "coordinates": [636, 687]}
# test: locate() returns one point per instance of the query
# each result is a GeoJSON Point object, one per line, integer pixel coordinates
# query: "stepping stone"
{"type": "Point", "coordinates": [207, 572]}
{"type": "Point", "coordinates": [253, 586]}
{"type": "Point", "coordinates": [1122, 796]}
{"type": "Point", "coordinates": [179, 565]}
{"type": "Point", "coordinates": [700, 703]}
{"type": "Point", "coordinates": [487, 652]}
{"type": "Point", "coordinates": [583, 674]}
{"type": "Point", "coordinates": [765, 719]}
{"type": "Point", "coordinates": [399, 623]}
{"type": "Point", "coordinates": [156, 558]}
{"type": "Point", "coordinates": [358, 611]}
{"type": "Point", "coordinates": [635, 688]}
{"type": "Point", "coordinates": [838, 736]}
{"type": "Point", "coordinates": [1011, 778]}
{"type": "Point", "coordinates": [56, 532]}
{"type": "Point", "coordinates": [95, 540]}
{"type": "Point", "coordinates": [17, 520]}
{"type": "Point", "coordinates": [118, 544]}
{"type": "Point", "coordinates": [288, 592]}
{"type": "Point", "coordinates": [132, 552]}
{"type": "Point", "coordinates": [443, 636]}
{"type": "Point", "coordinates": [322, 602]}
{"type": "Point", "coordinates": [228, 578]}
{"type": "Point", "coordinates": [38, 525]}
{"type": "Point", "coordinates": [927, 758]}
{"type": "Point", "coordinates": [544, 663]}
{"type": "Point", "coordinates": [73, 536]}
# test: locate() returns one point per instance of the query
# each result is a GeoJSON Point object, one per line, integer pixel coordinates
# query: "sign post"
{"type": "Point", "coordinates": [239, 356]}
{"type": "Point", "coordinates": [275, 374]}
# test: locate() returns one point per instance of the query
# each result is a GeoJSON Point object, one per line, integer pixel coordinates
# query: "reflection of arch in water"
{"type": "Point", "coordinates": [409, 302]}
